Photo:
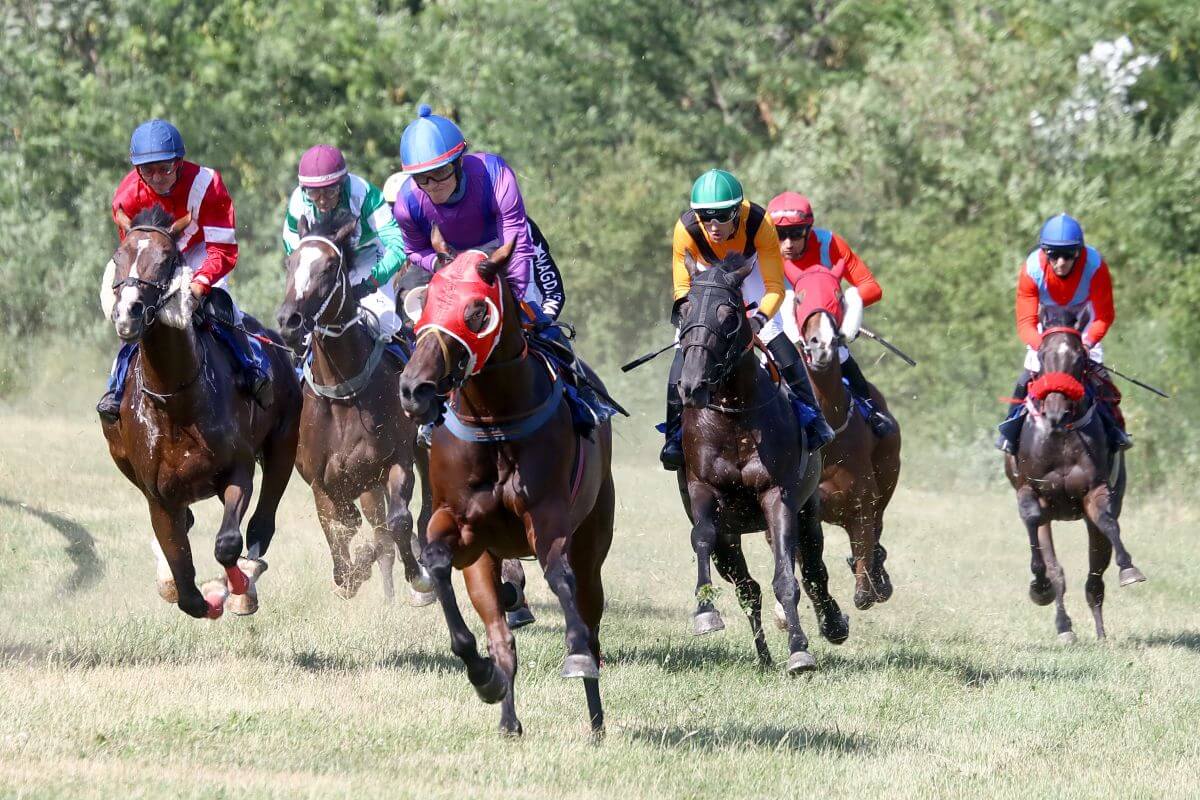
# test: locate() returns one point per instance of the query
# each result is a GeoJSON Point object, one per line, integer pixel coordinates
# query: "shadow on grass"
{"type": "Point", "coordinates": [81, 547]}
{"type": "Point", "coordinates": [1189, 640]}
{"type": "Point", "coordinates": [971, 672]}
{"type": "Point", "coordinates": [683, 655]}
{"type": "Point", "coordinates": [408, 660]}
{"type": "Point", "coordinates": [769, 737]}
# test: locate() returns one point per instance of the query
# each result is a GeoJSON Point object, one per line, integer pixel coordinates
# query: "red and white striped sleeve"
{"type": "Point", "coordinates": [217, 225]}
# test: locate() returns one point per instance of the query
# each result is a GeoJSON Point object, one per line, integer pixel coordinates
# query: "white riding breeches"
{"type": "Point", "coordinates": [381, 304]}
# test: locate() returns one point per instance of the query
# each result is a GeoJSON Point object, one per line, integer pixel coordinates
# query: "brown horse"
{"type": "Point", "coordinates": [355, 442]}
{"type": "Point", "coordinates": [1065, 469]}
{"type": "Point", "coordinates": [746, 468]}
{"type": "Point", "coordinates": [860, 470]}
{"type": "Point", "coordinates": [519, 482]}
{"type": "Point", "coordinates": [185, 431]}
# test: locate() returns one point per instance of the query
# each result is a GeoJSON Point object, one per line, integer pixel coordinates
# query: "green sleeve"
{"type": "Point", "coordinates": [291, 233]}
{"type": "Point", "coordinates": [377, 215]}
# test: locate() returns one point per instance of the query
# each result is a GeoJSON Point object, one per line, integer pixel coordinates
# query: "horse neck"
{"type": "Point", "coordinates": [336, 358]}
{"type": "Point", "coordinates": [508, 384]}
{"type": "Point", "coordinates": [744, 383]}
{"type": "Point", "coordinates": [831, 393]}
{"type": "Point", "coordinates": [171, 359]}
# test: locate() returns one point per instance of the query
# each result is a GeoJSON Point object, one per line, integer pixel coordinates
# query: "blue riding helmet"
{"type": "Point", "coordinates": [156, 140]}
{"type": "Point", "coordinates": [430, 142]}
{"type": "Point", "coordinates": [1061, 231]}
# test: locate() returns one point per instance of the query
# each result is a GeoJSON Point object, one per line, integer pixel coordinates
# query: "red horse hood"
{"type": "Point", "coordinates": [448, 301]}
{"type": "Point", "coordinates": [819, 289]}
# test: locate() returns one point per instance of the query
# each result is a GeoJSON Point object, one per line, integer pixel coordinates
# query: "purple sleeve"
{"type": "Point", "coordinates": [510, 211]}
{"type": "Point", "coordinates": [416, 241]}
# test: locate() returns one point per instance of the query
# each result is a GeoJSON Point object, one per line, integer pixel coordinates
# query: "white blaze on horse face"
{"type": "Point", "coordinates": [303, 277]}
{"type": "Point", "coordinates": [129, 294]}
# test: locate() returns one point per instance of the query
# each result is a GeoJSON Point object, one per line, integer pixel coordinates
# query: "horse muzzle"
{"type": "Point", "coordinates": [131, 323]}
{"type": "Point", "coordinates": [417, 398]}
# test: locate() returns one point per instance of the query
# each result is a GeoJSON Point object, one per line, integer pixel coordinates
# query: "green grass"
{"type": "Point", "coordinates": [954, 688]}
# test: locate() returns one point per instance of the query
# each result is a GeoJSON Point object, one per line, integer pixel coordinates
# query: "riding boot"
{"type": "Point", "coordinates": [881, 424]}
{"type": "Point", "coordinates": [793, 373]}
{"type": "Point", "coordinates": [1010, 429]}
{"type": "Point", "coordinates": [1118, 439]}
{"type": "Point", "coordinates": [256, 375]}
{"type": "Point", "coordinates": [109, 407]}
{"type": "Point", "coordinates": [672, 450]}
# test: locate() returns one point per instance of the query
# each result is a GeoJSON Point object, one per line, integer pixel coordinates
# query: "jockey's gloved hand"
{"type": "Point", "coordinates": [757, 320]}
{"type": "Point", "coordinates": [363, 290]}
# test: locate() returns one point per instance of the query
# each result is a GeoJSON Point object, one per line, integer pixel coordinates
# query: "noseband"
{"type": "Point", "coordinates": [1059, 383]}
{"type": "Point", "coordinates": [313, 324]}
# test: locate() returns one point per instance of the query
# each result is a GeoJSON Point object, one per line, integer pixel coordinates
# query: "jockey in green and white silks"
{"type": "Point", "coordinates": [325, 186]}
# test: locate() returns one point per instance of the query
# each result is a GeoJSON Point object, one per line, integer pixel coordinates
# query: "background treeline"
{"type": "Point", "coordinates": [935, 136]}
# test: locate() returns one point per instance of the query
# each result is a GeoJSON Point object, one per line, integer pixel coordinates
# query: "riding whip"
{"type": "Point", "coordinates": [896, 350]}
{"type": "Point", "coordinates": [1136, 382]}
{"type": "Point", "coordinates": [637, 362]}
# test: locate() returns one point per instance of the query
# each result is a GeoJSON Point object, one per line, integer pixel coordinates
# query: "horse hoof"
{"type": "Point", "coordinates": [708, 622]}
{"type": "Point", "coordinates": [519, 618]}
{"type": "Point", "coordinates": [864, 600]}
{"type": "Point", "coordinates": [883, 586]}
{"type": "Point", "coordinates": [1067, 637]}
{"type": "Point", "coordinates": [513, 730]}
{"type": "Point", "coordinates": [1131, 575]}
{"type": "Point", "coordinates": [838, 631]}
{"type": "Point", "coordinates": [801, 661]}
{"type": "Point", "coordinates": [244, 604]}
{"type": "Point", "coordinates": [168, 591]}
{"type": "Point", "coordinates": [422, 583]}
{"type": "Point", "coordinates": [494, 689]}
{"type": "Point", "coordinates": [511, 596]}
{"type": "Point", "coordinates": [419, 599]}
{"type": "Point", "coordinates": [215, 594]}
{"type": "Point", "coordinates": [780, 616]}
{"type": "Point", "coordinates": [253, 567]}
{"type": "Point", "coordinates": [580, 666]}
{"type": "Point", "coordinates": [345, 591]}
{"type": "Point", "coordinates": [1041, 593]}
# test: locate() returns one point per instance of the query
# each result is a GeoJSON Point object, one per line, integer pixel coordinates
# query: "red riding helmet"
{"type": "Point", "coordinates": [322, 165]}
{"type": "Point", "coordinates": [790, 208]}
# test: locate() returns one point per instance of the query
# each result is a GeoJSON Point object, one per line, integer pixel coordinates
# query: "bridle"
{"type": "Point", "coordinates": [313, 324]}
{"type": "Point", "coordinates": [150, 309]}
{"type": "Point", "coordinates": [1060, 382]}
{"type": "Point", "coordinates": [839, 339]}
{"type": "Point", "coordinates": [725, 362]}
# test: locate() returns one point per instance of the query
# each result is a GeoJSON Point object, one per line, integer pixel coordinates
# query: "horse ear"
{"type": "Point", "coordinates": [740, 273]}
{"type": "Point", "coordinates": [180, 225]}
{"type": "Point", "coordinates": [439, 242]}
{"type": "Point", "coordinates": [303, 227]}
{"type": "Point", "coordinates": [689, 263]}
{"type": "Point", "coordinates": [345, 231]}
{"type": "Point", "coordinates": [492, 265]}
{"type": "Point", "coordinates": [123, 221]}
{"type": "Point", "coordinates": [414, 303]}
{"type": "Point", "coordinates": [839, 269]}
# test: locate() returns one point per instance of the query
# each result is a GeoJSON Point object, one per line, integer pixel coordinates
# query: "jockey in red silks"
{"type": "Point", "coordinates": [160, 176]}
{"type": "Point", "coordinates": [805, 248]}
{"type": "Point", "coordinates": [1065, 273]}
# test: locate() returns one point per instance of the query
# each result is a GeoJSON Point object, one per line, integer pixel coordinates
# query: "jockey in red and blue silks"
{"type": "Point", "coordinates": [475, 201]}
{"type": "Point", "coordinates": [1064, 272]}
{"type": "Point", "coordinates": [160, 176]}
{"type": "Point", "coordinates": [804, 248]}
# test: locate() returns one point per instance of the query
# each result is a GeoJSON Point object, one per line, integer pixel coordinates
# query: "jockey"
{"type": "Point", "coordinates": [160, 176]}
{"type": "Point", "coordinates": [1065, 273]}
{"type": "Point", "coordinates": [721, 223]}
{"type": "Point", "coordinates": [326, 186]}
{"type": "Point", "coordinates": [804, 247]}
{"type": "Point", "coordinates": [474, 200]}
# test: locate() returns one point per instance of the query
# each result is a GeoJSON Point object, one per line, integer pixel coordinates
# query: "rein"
{"type": "Point", "coordinates": [1054, 382]}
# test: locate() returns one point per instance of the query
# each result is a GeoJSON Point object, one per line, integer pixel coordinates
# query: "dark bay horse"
{"type": "Point", "coordinates": [355, 442]}
{"type": "Point", "coordinates": [860, 469]}
{"type": "Point", "coordinates": [1064, 469]}
{"type": "Point", "coordinates": [185, 431]}
{"type": "Point", "coordinates": [519, 482]}
{"type": "Point", "coordinates": [746, 468]}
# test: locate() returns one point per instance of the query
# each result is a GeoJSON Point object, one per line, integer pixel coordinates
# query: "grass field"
{"type": "Point", "coordinates": [956, 687]}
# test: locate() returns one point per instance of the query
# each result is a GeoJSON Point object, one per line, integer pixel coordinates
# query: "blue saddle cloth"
{"type": "Point", "coordinates": [588, 409]}
{"type": "Point", "coordinates": [863, 404]}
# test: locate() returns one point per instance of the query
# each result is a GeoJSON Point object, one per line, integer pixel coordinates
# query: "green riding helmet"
{"type": "Point", "coordinates": [716, 189]}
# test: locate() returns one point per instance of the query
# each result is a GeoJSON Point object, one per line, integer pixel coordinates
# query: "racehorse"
{"type": "Point", "coordinates": [1065, 469]}
{"type": "Point", "coordinates": [511, 479]}
{"type": "Point", "coordinates": [747, 467]}
{"type": "Point", "coordinates": [860, 469]}
{"type": "Point", "coordinates": [355, 442]}
{"type": "Point", "coordinates": [185, 432]}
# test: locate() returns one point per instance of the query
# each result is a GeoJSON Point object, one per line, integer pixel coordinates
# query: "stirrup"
{"type": "Point", "coordinates": [262, 389]}
{"type": "Point", "coordinates": [671, 456]}
{"type": "Point", "coordinates": [109, 407]}
{"type": "Point", "coordinates": [881, 424]}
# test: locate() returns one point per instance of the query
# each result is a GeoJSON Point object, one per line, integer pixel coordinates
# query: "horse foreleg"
{"type": "Point", "coordinates": [730, 562]}
{"type": "Point", "coordinates": [589, 548]}
{"type": "Point", "coordinates": [1062, 622]}
{"type": "Point", "coordinates": [861, 530]}
{"type": "Point", "coordinates": [782, 523]}
{"type": "Point", "coordinates": [236, 497]}
{"type": "Point", "coordinates": [400, 485]}
{"type": "Point", "coordinates": [1099, 556]}
{"type": "Point", "coordinates": [546, 528]}
{"type": "Point", "coordinates": [1041, 591]}
{"type": "Point", "coordinates": [810, 553]}
{"type": "Point", "coordinates": [347, 574]}
{"type": "Point", "coordinates": [489, 683]}
{"type": "Point", "coordinates": [170, 531]}
{"type": "Point", "coordinates": [1097, 507]}
{"type": "Point", "coordinates": [278, 461]}
{"type": "Point", "coordinates": [375, 509]}
{"type": "Point", "coordinates": [483, 585]}
{"type": "Point", "coordinates": [704, 541]}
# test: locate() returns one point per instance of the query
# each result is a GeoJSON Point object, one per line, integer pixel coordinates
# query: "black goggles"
{"type": "Point", "coordinates": [1065, 253]}
{"type": "Point", "coordinates": [718, 214]}
{"type": "Point", "coordinates": [794, 232]}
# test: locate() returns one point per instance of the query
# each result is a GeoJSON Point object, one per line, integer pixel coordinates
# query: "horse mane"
{"type": "Point", "coordinates": [153, 217]}
{"type": "Point", "coordinates": [329, 226]}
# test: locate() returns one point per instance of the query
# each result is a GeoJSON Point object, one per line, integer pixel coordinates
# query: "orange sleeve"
{"type": "Point", "coordinates": [681, 245]}
{"type": "Point", "coordinates": [1102, 305]}
{"type": "Point", "coordinates": [857, 272]}
{"type": "Point", "coordinates": [1028, 303]}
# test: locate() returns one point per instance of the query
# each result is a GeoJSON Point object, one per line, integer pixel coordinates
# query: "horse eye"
{"type": "Point", "coordinates": [476, 317]}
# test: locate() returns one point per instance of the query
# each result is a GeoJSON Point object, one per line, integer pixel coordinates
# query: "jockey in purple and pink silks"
{"type": "Point", "coordinates": [474, 200]}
